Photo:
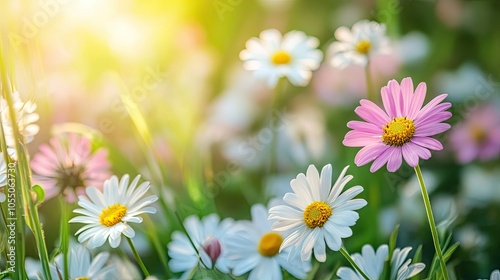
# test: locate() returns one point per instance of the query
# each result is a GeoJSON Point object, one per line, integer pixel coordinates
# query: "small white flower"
{"type": "Point", "coordinates": [318, 213]}
{"type": "Point", "coordinates": [357, 45]}
{"type": "Point", "coordinates": [208, 235]}
{"type": "Point", "coordinates": [108, 214]}
{"type": "Point", "coordinates": [495, 275]}
{"type": "Point", "coordinates": [400, 266]}
{"type": "Point", "coordinates": [273, 56]}
{"type": "Point", "coordinates": [372, 264]}
{"type": "Point", "coordinates": [25, 117]}
{"type": "Point", "coordinates": [80, 263]}
{"type": "Point", "coordinates": [255, 247]}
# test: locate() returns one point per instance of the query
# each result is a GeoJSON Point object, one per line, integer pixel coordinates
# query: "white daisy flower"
{"type": "Point", "coordinates": [107, 215]}
{"type": "Point", "coordinates": [495, 275]}
{"type": "Point", "coordinates": [255, 247]}
{"type": "Point", "coordinates": [208, 235]}
{"type": "Point", "coordinates": [80, 264]}
{"type": "Point", "coordinates": [369, 261]}
{"type": "Point", "coordinates": [357, 45]}
{"type": "Point", "coordinates": [273, 56]}
{"type": "Point", "coordinates": [372, 264]}
{"type": "Point", "coordinates": [400, 266]}
{"type": "Point", "coordinates": [318, 213]}
{"type": "Point", "coordinates": [25, 117]}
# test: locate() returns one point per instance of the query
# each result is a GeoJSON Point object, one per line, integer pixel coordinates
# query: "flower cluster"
{"type": "Point", "coordinates": [260, 183]}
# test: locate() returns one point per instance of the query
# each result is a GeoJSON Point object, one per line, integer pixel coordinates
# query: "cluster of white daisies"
{"type": "Point", "coordinates": [314, 216]}
{"type": "Point", "coordinates": [295, 55]}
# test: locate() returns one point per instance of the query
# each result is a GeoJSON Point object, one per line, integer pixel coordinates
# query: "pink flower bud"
{"type": "Point", "coordinates": [213, 248]}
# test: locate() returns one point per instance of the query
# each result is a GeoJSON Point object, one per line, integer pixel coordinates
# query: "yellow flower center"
{"type": "Point", "coordinates": [363, 47]}
{"type": "Point", "coordinates": [317, 213]}
{"type": "Point", "coordinates": [269, 244]}
{"type": "Point", "coordinates": [82, 278]}
{"type": "Point", "coordinates": [479, 135]}
{"type": "Point", "coordinates": [280, 58]}
{"type": "Point", "coordinates": [398, 132]}
{"type": "Point", "coordinates": [112, 215]}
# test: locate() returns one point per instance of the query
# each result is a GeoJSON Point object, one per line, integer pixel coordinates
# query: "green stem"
{"type": "Point", "coordinates": [369, 83]}
{"type": "Point", "coordinates": [356, 267]}
{"type": "Point", "coordinates": [64, 236]}
{"type": "Point", "coordinates": [156, 243]}
{"type": "Point", "coordinates": [190, 240]}
{"type": "Point", "coordinates": [274, 106]}
{"type": "Point", "coordinates": [432, 224]}
{"type": "Point", "coordinates": [23, 185]}
{"type": "Point", "coordinates": [137, 257]}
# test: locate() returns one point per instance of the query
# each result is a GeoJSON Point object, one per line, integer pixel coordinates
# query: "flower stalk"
{"type": "Point", "coordinates": [137, 257]}
{"type": "Point", "coordinates": [432, 224]}
{"type": "Point", "coordinates": [353, 263]}
{"type": "Point", "coordinates": [23, 182]}
{"type": "Point", "coordinates": [369, 82]}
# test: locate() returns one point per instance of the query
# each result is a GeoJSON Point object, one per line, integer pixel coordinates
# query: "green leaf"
{"type": "Point", "coordinates": [40, 194]}
{"type": "Point", "coordinates": [392, 240]}
{"type": "Point", "coordinates": [449, 252]}
{"type": "Point", "coordinates": [418, 255]}
{"type": "Point", "coordinates": [416, 259]}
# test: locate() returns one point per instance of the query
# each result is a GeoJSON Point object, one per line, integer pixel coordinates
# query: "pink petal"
{"type": "Point", "coordinates": [434, 118]}
{"type": "Point", "coordinates": [421, 152]}
{"type": "Point", "coordinates": [372, 113]}
{"type": "Point", "coordinates": [395, 160]}
{"type": "Point", "coordinates": [369, 153]}
{"type": "Point", "coordinates": [407, 94]}
{"type": "Point", "coordinates": [430, 106]}
{"type": "Point", "coordinates": [387, 101]}
{"type": "Point", "coordinates": [382, 159]}
{"type": "Point", "coordinates": [410, 155]}
{"type": "Point", "coordinates": [365, 127]}
{"type": "Point", "coordinates": [427, 142]}
{"type": "Point", "coordinates": [431, 129]}
{"type": "Point", "coordinates": [356, 138]}
{"type": "Point", "coordinates": [395, 93]}
{"type": "Point", "coordinates": [417, 101]}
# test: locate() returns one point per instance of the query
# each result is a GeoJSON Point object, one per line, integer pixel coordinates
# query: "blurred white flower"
{"type": "Point", "coordinates": [495, 275]}
{"type": "Point", "coordinates": [81, 265]}
{"type": "Point", "coordinates": [255, 247]}
{"type": "Point", "coordinates": [470, 237]}
{"type": "Point", "coordinates": [479, 186]}
{"type": "Point", "coordinates": [300, 137]}
{"type": "Point", "coordinates": [317, 214]}
{"type": "Point", "coordinates": [413, 48]}
{"type": "Point", "coordinates": [372, 263]}
{"type": "Point", "coordinates": [209, 236]}
{"type": "Point", "coordinates": [409, 205]}
{"type": "Point", "coordinates": [461, 83]}
{"type": "Point", "coordinates": [234, 110]}
{"type": "Point", "coordinates": [272, 56]}
{"type": "Point", "coordinates": [124, 269]}
{"type": "Point", "coordinates": [342, 86]}
{"type": "Point", "coordinates": [359, 44]}
{"type": "Point", "coordinates": [25, 117]}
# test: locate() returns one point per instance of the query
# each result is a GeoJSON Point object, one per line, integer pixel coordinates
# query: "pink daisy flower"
{"type": "Point", "coordinates": [68, 165]}
{"type": "Point", "coordinates": [403, 130]}
{"type": "Point", "coordinates": [478, 136]}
